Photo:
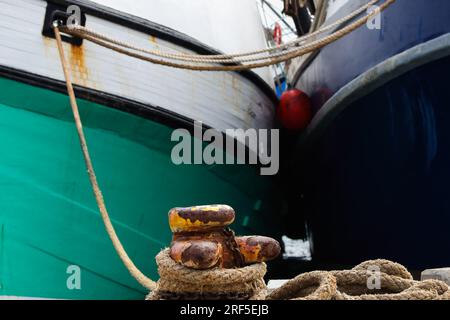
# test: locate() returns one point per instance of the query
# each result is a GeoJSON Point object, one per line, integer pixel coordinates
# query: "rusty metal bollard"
{"type": "Point", "coordinates": [202, 239]}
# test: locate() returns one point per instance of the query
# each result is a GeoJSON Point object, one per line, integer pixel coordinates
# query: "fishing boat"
{"type": "Point", "coordinates": [372, 169]}
{"type": "Point", "coordinates": [49, 222]}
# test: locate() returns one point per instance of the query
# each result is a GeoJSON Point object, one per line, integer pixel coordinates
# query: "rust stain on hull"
{"type": "Point", "coordinates": [77, 61]}
{"type": "Point", "coordinates": [49, 46]}
{"type": "Point", "coordinates": [78, 64]}
{"type": "Point", "coordinates": [154, 42]}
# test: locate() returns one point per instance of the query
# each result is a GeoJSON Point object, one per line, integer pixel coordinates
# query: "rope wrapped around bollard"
{"type": "Point", "coordinates": [181, 283]}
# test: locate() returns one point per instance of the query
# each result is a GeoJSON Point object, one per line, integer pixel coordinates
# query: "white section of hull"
{"type": "Point", "coordinates": [219, 99]}
{"type": "Point", "coordinates": [227, 25]}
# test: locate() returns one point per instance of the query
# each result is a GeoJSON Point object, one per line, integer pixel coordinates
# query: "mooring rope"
{"type": "Point", "coordinates": [80, 31]}
{"type": "Point", "coordinates": [134, 271]}
{"type": "Point", "coordinates": [394, 283]}
{"type": "Point", "coordinates": [179, 282]}
{"type": "Point", "coordinates": [209, 62]}
{"type": "Point", "coordinates": [121, 47]}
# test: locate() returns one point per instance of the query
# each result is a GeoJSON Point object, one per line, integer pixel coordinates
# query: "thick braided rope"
{"type": "Point", "coordinates": [177, 280]}
{"type": "Point", "coordinates": [169, 269]}
{"type": "Point", "coordinates": [272, 58]}
{"type": "Point", "coordinates": [396, 283]}
{"type": "Point", "coordinates": [316, 285]}
{"type": "Point", "coordinates": [395, 280]}
{"type": "Point", "coordinates": [134, 271]}
{"type": "Point", "coordinates": [417, 290]}
{"type": "Point", "coordinates": [82, 31]}
{"type": "Point", "coordinates": [386, 266]}
{"type": "Point", "coordinates": [352, 285]}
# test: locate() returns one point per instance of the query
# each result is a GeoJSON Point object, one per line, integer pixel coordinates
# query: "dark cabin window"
{"type": "Point", "coordinates": [302, 12]}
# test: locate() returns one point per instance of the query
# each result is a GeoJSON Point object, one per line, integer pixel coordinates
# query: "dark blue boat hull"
{"type": "Point", "coordinates": [376, 180]}
{"type": "Point", "coordinates": [404, 24]}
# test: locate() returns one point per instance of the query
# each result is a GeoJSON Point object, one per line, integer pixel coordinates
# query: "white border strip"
{"type": "Point", "coordinates": [22, 298]}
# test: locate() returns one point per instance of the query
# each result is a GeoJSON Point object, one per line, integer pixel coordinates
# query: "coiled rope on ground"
{"type": "Point", "coordinates": [396, 283]}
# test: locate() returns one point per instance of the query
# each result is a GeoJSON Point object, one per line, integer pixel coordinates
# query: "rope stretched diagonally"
{"type": "Point", "coordinates": [81, 31]}
{"type": "Point", "coordinates": [209, 62]}
{"type": "Point", "coordinates": [135, 272]}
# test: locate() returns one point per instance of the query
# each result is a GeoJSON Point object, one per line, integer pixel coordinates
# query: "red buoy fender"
{"type": "Point", "coordinates": [294, 110]}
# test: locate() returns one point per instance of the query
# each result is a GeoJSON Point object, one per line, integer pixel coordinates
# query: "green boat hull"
{"type": "Point", "coordinates": [48, 215]}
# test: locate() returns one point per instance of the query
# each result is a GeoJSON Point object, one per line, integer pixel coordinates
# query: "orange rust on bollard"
{"type": "Point", "coordinates": [258, 248]}
{"type": "Point", "coordinates": [200, 218]}
{"type": "Point", "coordinates": [202, 239]}
{"type": "Point", "coordinates": [230, 256]}
{"type": "Point", "coordinates": [196, 254]}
